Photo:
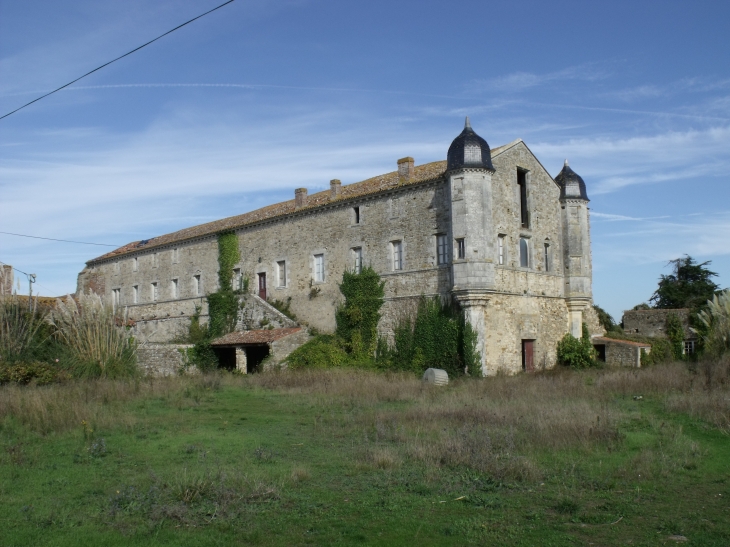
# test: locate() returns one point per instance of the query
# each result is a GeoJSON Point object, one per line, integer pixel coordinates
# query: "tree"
{"type": "Point", "coordinates": [689, 286]}
{"type": "Point", "coordinates": [605, 319]}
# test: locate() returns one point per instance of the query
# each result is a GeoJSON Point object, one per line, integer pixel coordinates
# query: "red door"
{"type": "Point", "coordinates": [527, 355]}
{"type": "Point", "coordinates": [262, 286]}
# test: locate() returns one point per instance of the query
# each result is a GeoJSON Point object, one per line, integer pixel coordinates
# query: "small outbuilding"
{"type": "Point", "coordinates": [620, 353]}
{"type": "Point", "coordinates": [245, 351]}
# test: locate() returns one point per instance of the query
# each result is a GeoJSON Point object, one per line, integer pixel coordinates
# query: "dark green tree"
{"type": "Point", "coordinates": [690, 285]}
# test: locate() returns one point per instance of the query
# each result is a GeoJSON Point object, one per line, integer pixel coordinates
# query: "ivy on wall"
{"type": "Point", "coordinates": [357, 319]}
{"type": "Point", "coordinates": [223, 306]}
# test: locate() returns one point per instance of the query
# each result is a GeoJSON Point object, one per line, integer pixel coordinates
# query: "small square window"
{"type": "Point", "coordinates": [460, 248]}
{"type": "Point", "coordinates": [689, 347]}
{"type": "Point", "coordinates": [357, 258]}
{"type": "Point", "coordinates": [281, 273]}
{"type": "Point", "coordinates": [319, 268]}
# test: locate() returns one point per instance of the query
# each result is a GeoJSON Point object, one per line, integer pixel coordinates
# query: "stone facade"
{"type": "Point", "coordinates": [501, 237]}
{"type": "Point", "coordinates": [653, 322]}
{"type": "Point", "coordinates": [6, 279]}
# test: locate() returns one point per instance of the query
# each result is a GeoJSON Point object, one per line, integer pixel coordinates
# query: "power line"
{"type": "Point", "coordinates": [115, 60]}
{"type": "Point", "coordinates": [62, 240]}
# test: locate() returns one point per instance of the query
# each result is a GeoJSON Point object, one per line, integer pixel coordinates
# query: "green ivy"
{"type": "Point", "coordinates": [357, 319]}
{"type": "Point", "coordinates": [675, 334]}
{"type": "Point", "coordinates": [223, 306]}
{"type": "Point", "coordinates": [437, 336]}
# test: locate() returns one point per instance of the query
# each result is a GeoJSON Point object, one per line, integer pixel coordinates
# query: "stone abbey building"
{"type": "Point", "coordinates": [490, 229]}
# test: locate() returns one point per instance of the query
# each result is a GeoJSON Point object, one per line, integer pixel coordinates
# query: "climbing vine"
{"type": "Point", "coordinates": [223, 306]}
{"type": "Point", "coordinates": [436, 336]}
{"type": "Point", "coordinates": [675, 334]}
{"type": "Point", "coordinates": [357, 319]}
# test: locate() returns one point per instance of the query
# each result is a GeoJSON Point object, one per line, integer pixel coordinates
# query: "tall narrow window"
{"type": "Point", "coordinates": [500, 249]}
{"type": "Point", "coordinates": [442, 256]}
{"type": "Point", "coordinates": [524, 253]}
{"type": "Point", "coordinates": [397, 255]}
{"type": "Point", "coordinates": [357, 257]}
{"type": "Point", "coordinates": [196, 285]}
{"type": "Point", "coordinates": [116, 266]}
{"type": "Point", "coordinates": [522, 183]}
{"type": "Point", "coordinates": [281, 273]}
{"type": "Point", "coordinates": [174, 289]}
{"type": "Point", "coordinates": [319, 268]}
{"type": "Point", "coordinates": [356, 214]}
{"type": "Point", "coordinates": [135, 294]}
{"type": "Point", "coordinates": [237, 280]}
{"type": "Point", "coordinates": [175, 256]}
{"type": "Point", "coordinates": [548, 266]}
{"type": "Point", "coordinates": [135, 264]}
{"type": "Point", "coordinates": [154, 291]}
{"type": "Point", "coordinates": [154, 260]}
{"type": "Point", "coordinates": [460, 248]}
{"type": "Point", "coordinates": [116, 297]}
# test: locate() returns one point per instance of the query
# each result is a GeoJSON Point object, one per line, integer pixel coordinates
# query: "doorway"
{"type": "Point", "coordinates": [254, 356]}
{"type": "Point", "coordinates": [528, 352]}
{"type": "Point", "coordinates": [262, 286]}
{"type": "Point", "coordinates": [226, 358]}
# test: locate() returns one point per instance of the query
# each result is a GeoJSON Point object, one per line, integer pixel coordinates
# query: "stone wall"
{"type": "Point", "coordinates": [163, 359]}
{"type": "Point", "coordinates": [620, 353]}
{"type": "Point", "coordinates": [653, 322]}
{"type": "Point", "coordinates": [280, 349]}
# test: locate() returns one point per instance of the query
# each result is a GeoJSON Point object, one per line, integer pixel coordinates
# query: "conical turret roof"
{"type": "Point", "coordinates": [469, 150]}
{"type": "Point", "coordinates": [571, 184]}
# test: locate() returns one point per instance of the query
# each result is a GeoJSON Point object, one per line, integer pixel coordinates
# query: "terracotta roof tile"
{"type": "Point", "coordinates": [388, 181]}
{"type": "Point", "coordinates": [618, 341]}
{"type": "Point", "coordinates": [263, 336]}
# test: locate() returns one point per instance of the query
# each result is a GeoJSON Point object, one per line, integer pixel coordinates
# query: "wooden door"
{"type": "Point", "coordinates": [262, 286]}
{"type": "Point", "coordinates": [528, 364]}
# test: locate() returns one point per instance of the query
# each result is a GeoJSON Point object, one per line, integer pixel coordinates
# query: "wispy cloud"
{"type": "Point", "coordinates": [520, 81]}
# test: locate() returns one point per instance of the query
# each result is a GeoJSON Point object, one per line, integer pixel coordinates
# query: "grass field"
{"type": "Point", "coordinates": [607, 457]}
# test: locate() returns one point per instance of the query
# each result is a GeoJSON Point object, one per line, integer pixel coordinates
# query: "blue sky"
{"type": "Point", "coordinates": [239, 108]}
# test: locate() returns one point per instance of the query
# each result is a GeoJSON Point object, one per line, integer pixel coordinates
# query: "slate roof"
{"type": "Point", "coordinates": [247, 337]}
{"type": "Point", "coordinates": [422, 173]}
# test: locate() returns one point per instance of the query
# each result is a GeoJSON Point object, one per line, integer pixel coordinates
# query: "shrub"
{"type": "Point", "coordinates": [436, 336]}
{"type": "Point", "coordinates": [24, 373]}
{"type": "Point", "coordinates": [716, 322]}
{"type": "Point", "coordinates": [577, 353]}
{"type": "Point", "coordinates": [97, 342]}
{"type": "Point", "coordinates": [322, 351]}
{"type": "Point", "coordinates": [20, 329]}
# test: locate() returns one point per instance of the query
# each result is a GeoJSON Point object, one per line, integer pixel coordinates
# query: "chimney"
{"type": "Point", "coordinates": [335, 188]}
{"type": "Point", "coordinates": [300, 197]}
{"type": "Point", "coordinates": [405, 168]}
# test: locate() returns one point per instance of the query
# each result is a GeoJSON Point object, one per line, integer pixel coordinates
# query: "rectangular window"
{"type": "Point", "coordinates": [154, 290]}
{"type": "Point", "coordinates": [135, 264]}
{"type": "Point", "coordinates": [356, 214]}
{"type": "Point", "coordinates": [461, 248]}
{"type": "Point", "coordinates": [116, 297]}
{"type": "Point", "coordinates": [548, 266]}
{"type": "Point", "coordinates": [281, 273]}
{"type": "Point", "coordinates": [319, 268]}
{"type": "Point", "coordinates": [689, 347]}
{"type": "Point", "coordinates": [135, 294]}
{"type": "Point", "coordinates": [522, 183]}
{"type": "Point", "coordinates": [524, 253]}
{"type": "Point", "coordinates": [237, 282]}
{"type": "Point", "coordinates": [196, 285]}
{"type": "Point", "coordinates": [357, 257]}
{"type": "Point", "coordinates": [442, 256]}
{"type": "Point", "coordinates": [397, 255]}
{"type": "Point", "coordinates": [500, 249]}
{"type": "Point", "coordinates": [174, 289]}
